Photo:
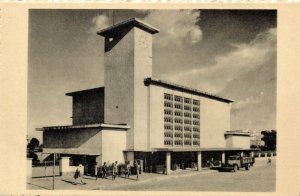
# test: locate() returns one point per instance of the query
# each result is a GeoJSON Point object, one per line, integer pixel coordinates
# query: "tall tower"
{"type": "Point", "coordinates": [127, 62]}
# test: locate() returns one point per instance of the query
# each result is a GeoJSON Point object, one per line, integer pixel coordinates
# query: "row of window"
{"type": "Point", "coordinates": [179, 113]}
{"type": "Point", "coordinates": [169, 135]}
{"type": "Point", "coordinates": [179, 142]}
{"type": "Point", "coordinates": [179, 128]}
{"type": "Point", "coordinates": [179, 107]}
{"type": "Point", "coordinates": [180, 99]}
{"type": "Point", "coordinates": [179, 121]}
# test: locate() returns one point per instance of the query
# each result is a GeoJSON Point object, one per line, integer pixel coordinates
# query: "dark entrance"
{"type": "Point", "coordinates": [183, 160]}
{"type": "Point", "coordinates": [153, 162]}
{"type": "Point", "coordinates": [213, 158]}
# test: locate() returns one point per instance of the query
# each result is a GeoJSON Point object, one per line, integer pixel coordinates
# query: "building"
{"type": "Point", "coordinates": [135, 116]}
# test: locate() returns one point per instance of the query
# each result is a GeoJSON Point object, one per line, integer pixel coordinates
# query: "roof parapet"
{"type": "Point", "coordinates": [149, 81]}
{"type": "Point", "coordinates": [133, 22]}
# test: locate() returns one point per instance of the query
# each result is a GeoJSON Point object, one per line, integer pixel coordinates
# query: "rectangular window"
{"type": "Point", "coordinates": [169, 135]}
{"type": "Point", "coordinates": [196, 116]}
{"type": "Point", "coordinates": [187, 142]}
{"type": "Point", "coordinates": [168, 104]}
{"type": "Point", "coordinates": [178, 128]}
{"type": "Point", "coordinates": [177, 113]}
{"type": "Point", "coordinates": [187, 121]}
{"type": "Point", "coordinates": [196, 143]}
{"type": "Point", "coordinates": [186, 107]}
{"type": "Point", "coordinates": [168, 142]}
{"type": "Point", "coordinates": [178, 142]}
{"type": "Point", "coordinates": [196, 102]}
{"type": "Point", "coordinates": [168, 112]}
{"type": "Point", "coordinates": [187, 128]}
{"type": "Point", "coordinates": [196, 136]}
{"type": "Point", "coordinates": [187, 114]}
{"type": "Point", "coordinates": [178, 98]}
{"type": "Point", "coordinates": [196, 122]}
{"type": "Point", "coordinates": [178, 106]}
{"type": "Point", "coordinates": [187, 100]}
{"type": "Point", "coordinates": [168, 97]}
{"type": "Point", "coordinates": [187, 135]}
{"type": "Point", "coordinates": [168, 127]}
{"type": "Point", "coordinates": [168, 119]}
{"type": "Point", "coordinates": [178, 120]}
{"type": "Point", "coordinates": [196, 109]}
{"type": "Point", "coordinates": [178, 135]}
{"type": "Point", "coordinates": [196, 129]}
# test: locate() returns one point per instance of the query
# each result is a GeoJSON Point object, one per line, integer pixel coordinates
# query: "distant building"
{"type": "Point", "coordinates": [135, 116]}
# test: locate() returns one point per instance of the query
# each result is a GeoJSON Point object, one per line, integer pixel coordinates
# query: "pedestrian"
{"type": "Point", "coordinates": [128, 169]}
{"type": "Point", "coordinates": [104, 170]}
{"type": "Point", "coordinates": [99, 173]}
{"type": "Point", "coordinates": [77, 175]}
{"type": "Point", "coordinates": [136, 167]}
{"type": "Point", "coordinates": [114, 170]}
{"type": "Point", "coordinates": [269, 161]}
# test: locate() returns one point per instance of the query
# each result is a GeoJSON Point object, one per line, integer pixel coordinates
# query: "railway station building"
{"type": "Point", "coordinates": [136, 116]}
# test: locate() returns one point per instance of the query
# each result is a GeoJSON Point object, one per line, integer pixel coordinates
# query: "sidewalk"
{"type": "Point", "coordinates": [65, 183]}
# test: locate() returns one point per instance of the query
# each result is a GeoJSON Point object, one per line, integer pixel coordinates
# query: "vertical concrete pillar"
{"type": "Point", "coordinates": [242, 154]}
{"type": "Point", "coordinates": [168, 162]}
{"type": "Point", "coordinates": [252, 154]}
{"type": "Point", "coordinates": [259, 154]}
{"type": "Point", "coordinates": [64, 165]}
{"type": "Point", "coordinates": [199, 161]}
{"type": "Point", "coordinates": [130, 157]}
{"type": "Point", "coordinates": [223, 157]}
{"type": "Point", "coordinates": [99, 161]}
{"type": "Point", "coordinates": [29, 169]}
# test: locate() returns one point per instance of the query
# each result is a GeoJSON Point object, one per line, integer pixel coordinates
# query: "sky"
{"type": "Point", "coordinates": [231, 53]}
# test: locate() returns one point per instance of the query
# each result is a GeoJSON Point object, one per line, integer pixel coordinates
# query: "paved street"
{"type": "Point", "coordinates": [260, 178]}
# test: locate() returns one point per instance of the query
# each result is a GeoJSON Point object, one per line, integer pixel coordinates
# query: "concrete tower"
{"type": "Point", "coordinates": [127, 62]}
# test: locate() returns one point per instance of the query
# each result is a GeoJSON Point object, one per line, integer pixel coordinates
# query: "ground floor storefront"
{"type": "Point", "coordinates": [163, 162]}
{"type": "Point", "coordinates": [168, 161]}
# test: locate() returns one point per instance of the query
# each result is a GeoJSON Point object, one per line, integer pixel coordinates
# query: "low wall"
{"type": "Point", "coordinates": [66, 169]}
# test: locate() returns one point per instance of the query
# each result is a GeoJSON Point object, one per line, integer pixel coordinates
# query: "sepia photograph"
{"type": "Point", "coordinates": [152, 100]}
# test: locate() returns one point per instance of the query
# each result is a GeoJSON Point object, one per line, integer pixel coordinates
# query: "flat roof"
{"type": "Point", "coordinates": [237, 133]}
{"type": "Point", "coordinates": [186, 149]}
{"type": "Point", "coordinates": [133, 22]}
{"type": "Point", "coordinates": [102, 125]}
{"type": "Point", "coordinates": [86, 91]}
{"type": "Point", "coordinates": [149, 81]}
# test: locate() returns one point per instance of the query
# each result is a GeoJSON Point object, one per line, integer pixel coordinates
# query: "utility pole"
{"type": "Point", "coordinates": [113, 17]}
{"type": "Point", "coordinates": [54, 157]}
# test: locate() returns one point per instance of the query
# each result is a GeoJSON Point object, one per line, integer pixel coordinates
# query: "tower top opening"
{"type": "Point", "coordinates": [133, 22]}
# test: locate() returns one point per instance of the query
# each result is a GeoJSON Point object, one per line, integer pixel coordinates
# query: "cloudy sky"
{"type": "Point", "coordinates": [231, 53]}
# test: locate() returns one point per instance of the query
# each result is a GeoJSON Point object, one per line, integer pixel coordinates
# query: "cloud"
{"type": "Point", "coordinates": [99, 22]}
{"type": "Point", "coordinates": [226, 67]}
{"type": "Point", "coordinates": [252, 100]}
{"type": "Point", "coordinates": [177, 27]}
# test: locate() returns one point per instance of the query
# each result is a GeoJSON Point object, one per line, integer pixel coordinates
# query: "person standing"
{"type": "Point", "coordinates": [136, 166]}
{"type": "Point", "coordinates": [114, 170]}
{"type": "Point", "coordinates": [128, 169]}
{"type": "Point", "coordinates": [77, 175]}
{"type": "Point", "coordinates": [104, 170]}
{"type": "Point", "coordinates": [269, 161]}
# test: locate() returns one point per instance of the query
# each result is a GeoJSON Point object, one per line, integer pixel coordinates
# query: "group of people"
{"type": "Point", "coordinates": [115, 170]}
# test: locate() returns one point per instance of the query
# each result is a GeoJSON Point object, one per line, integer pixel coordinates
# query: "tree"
{"type": "Point", "coordinates": [34, 143]}
{"type": "Point", "coordinates": [269, 137]}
